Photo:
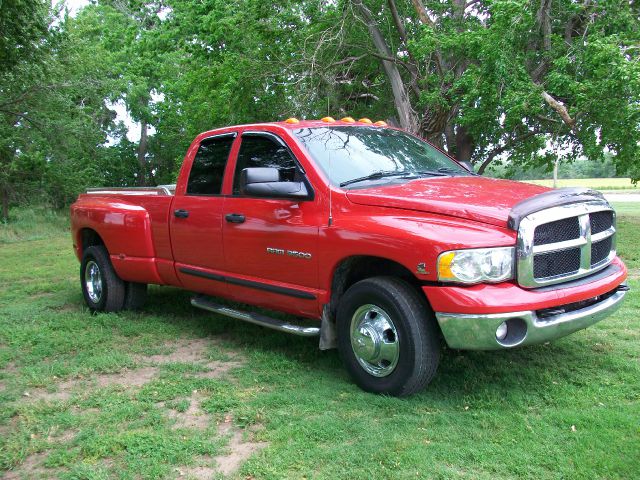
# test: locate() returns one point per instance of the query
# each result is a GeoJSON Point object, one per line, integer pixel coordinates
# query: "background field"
{"type": "Point", "coordinates": [597, 183]}
{"type": "Point", "coordinates": [170, 391]}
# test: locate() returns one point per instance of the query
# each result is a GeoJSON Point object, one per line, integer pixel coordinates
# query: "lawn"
{"type": "Point", "coordinates": [597, 183]}
{"type": "Point", "coordinates": [174, 392]}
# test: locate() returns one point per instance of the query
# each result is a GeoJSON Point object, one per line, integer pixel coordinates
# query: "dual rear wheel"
{"type": "Point", "coordinates": [102, 289]}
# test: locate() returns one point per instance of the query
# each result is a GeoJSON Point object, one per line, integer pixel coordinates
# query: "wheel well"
{"type": "Point", "coordinates": [354, 269]}
{"type": "Point", "coordinates": [89, 238]}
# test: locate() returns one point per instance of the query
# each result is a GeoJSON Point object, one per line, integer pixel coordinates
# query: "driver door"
{"type": "Point", "coordinates": [271, 244]}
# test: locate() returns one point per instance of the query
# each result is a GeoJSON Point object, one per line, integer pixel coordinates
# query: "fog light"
{"type": "Point", "coordinates": [501, 331]}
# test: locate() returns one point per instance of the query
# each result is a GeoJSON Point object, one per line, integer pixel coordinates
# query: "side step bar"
{"type": "Point", "coordinates": [206, 304]}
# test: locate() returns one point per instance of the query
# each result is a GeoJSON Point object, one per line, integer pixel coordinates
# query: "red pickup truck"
{"type": "Point", "coordinates": [389, 244]}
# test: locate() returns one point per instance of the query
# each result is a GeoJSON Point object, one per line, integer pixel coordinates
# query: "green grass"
{"type": "Point", "coordinates": [33, 223]}
{"type": "Point", "coordinates": [595, 183]}
{"type": "Point", "coordinates": [569, 409]}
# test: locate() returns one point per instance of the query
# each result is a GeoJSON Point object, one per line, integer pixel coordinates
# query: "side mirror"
{"type": "Point", "coordinates": [265, 182]}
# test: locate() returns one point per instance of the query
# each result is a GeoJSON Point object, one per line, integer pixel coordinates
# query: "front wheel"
{"type": "Point", "coordinates": [387, 336]}
{"type": "Point", "coordinates": [103, 290]}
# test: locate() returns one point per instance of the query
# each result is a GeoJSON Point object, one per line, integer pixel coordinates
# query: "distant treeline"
{"type": "Point", "coordinates": [581, 168]}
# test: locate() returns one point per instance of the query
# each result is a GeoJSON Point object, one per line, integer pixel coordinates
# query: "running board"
{"type": "Point", "coordinates": [256, 318]}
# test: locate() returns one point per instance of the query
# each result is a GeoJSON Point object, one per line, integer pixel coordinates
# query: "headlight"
{"type": "Point", "coordinates": [476, 265]}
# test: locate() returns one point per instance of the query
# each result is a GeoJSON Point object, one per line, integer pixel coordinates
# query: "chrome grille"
{"type": "Point", "coordinates": [600, 221]}
{"type": "Point", "coordinates": [600, 250]}
{"type": "Point", "coordinates": [556, 263]}
{"type": "Point", "coordinates": [565, 242]}
{"type": "Point", "coordinates": [557, 231]}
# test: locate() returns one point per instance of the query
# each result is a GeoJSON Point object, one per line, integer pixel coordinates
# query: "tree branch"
{"type": "Point", "coordinates": [402, 32]}
{"type": "Point", "coordinates": [560, 109]}
{"type": "Point", "coordinates": [544, 20]}
{"type": "Point", "coordinates": [470, 3]}
{"type": "Point", "coordinates": [23, 116]}
{"type": "Point", "coordinates": [402, 103]}
{"type": "Point", "coordinates": [348, 60]}
{"type": "Point", "coordinates": [498, 150]}
{"type": "Point", "coordinates": [422, 13]}
{"type": "Point", "coordinates": [425, 19]}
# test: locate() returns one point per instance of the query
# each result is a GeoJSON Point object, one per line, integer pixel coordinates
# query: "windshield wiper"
{"type": "Point", "coordinates": [435, 173]}
{"type": "Point", "coordinates": [376, 176]}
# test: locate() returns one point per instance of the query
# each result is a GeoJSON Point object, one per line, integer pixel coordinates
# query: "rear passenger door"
{"type": "Point", "coordinates": [196, 218]}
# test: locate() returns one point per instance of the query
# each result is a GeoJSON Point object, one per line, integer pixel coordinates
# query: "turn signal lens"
{"type": "Point", "coordinates": [444, 265]}
{"type": "Point", "coordinates": [292, 120]}
{"type": "Point", "coordinates": [328, 119]}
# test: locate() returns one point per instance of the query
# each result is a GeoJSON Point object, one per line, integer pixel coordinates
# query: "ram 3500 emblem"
{"type": "Point", "coordinates": [290, 253]}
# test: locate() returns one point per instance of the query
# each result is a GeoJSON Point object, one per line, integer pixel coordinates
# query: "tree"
{"type": "Point", "coordinates": [54, 122]}
{"type": "Point", "coordinates": [488, 78]}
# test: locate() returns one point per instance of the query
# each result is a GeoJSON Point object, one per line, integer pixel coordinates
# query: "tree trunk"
{"type": "Point", "coordinates": [464, 145]}
{"type": "Point", "coordinates": [142, 154]}
{"type": "Point", "coordinates": [406, 116]}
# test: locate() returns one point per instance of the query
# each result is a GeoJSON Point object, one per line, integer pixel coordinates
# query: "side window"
{"type": "Point", "coordinates": [207, 170]}
{"type": "Point", "coordinates": [256, 151]}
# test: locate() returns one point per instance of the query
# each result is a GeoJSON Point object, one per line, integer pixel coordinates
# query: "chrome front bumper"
{"type": "Point", "coordinates": [478, 332]}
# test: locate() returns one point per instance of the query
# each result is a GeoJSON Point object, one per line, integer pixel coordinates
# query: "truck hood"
{"type": "Point", "coordinates": [480, 199]}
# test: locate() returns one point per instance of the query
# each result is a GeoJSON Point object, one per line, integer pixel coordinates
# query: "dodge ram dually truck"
{"type": "Point", "coordinates": [390, 245]}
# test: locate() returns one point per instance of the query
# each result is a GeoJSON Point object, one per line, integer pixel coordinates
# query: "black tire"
{"type": "Point", "coordinates": [109, 297]}
{"type": "Point", "coordinates": [405, 327]}
{"type": "Point", "coordinates": [135, 295]}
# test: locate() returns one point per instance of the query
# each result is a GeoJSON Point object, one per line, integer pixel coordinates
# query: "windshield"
{"type": "Point", "coordinates": [350, 155]}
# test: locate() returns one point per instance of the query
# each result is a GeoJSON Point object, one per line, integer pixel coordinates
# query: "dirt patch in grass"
{"type": "Point", "coordinates": [57, 436]}
{"type": "Point", "coordinates": [183, 351]}
{"type": "Point", "coordinates": [195, 351]}
{"type": "Point", "coordinates": [240, 447]}
{"type": "Point", "coordinates": [32, 467]}
{"type": "Point", "coordinates": [8, 370]}
{"type": "Point", "coordinates": [193, 416]}
{"type": "Point", "coordinates": [238, 451]}
{"type": "Point", "coordinates": [130, 378]}
{"type": "Point", "coordinates": [199, 472]}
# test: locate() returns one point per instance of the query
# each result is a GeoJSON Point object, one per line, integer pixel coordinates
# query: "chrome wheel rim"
{"type": "Point", "coordinates": [93, 281]}
{"type": "Point", "coordinates": [374, 340]}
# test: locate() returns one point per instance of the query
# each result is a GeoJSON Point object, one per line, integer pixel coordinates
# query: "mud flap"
{"type": "Point", "coordinates": [328, 334]}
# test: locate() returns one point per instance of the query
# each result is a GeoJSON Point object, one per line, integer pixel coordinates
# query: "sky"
{"type": "Point", "coordinates": [133, 128]}
{"type": "Point", "coordinates": [73, 5]}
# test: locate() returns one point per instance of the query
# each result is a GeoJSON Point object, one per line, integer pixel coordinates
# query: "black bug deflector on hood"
{"type": "Point", "coordinates": [552, 198]}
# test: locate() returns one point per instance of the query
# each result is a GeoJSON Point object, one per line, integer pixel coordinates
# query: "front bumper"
{"type": "Point", "coordinates": [478, 332]}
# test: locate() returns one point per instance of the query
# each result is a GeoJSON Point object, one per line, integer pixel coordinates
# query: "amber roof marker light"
{"type": "Point", "coordinates": [292, 120]}
{"type": "Point", "coordinates": [328, 119]}
{"type": "Point", "coordinates": [348, 120]}
{"type": "Point", "coordinates": [381, 123]}
{"type": "Point", "coordinates": [365, 120]}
